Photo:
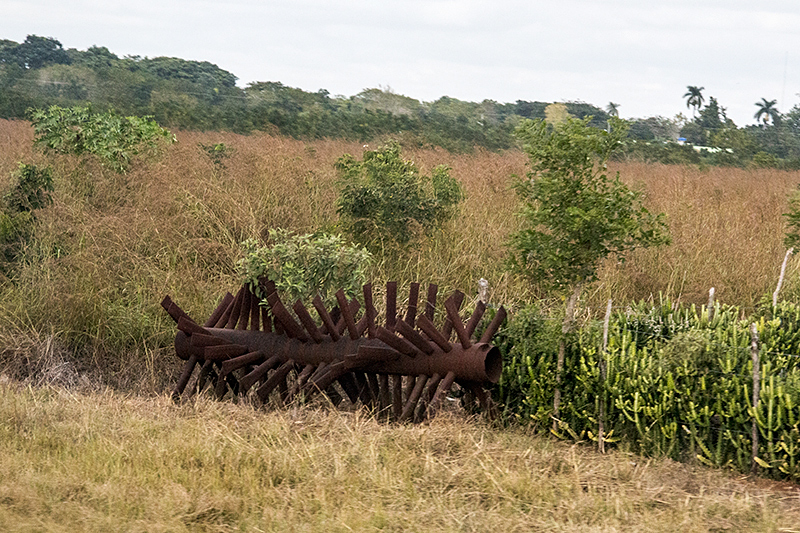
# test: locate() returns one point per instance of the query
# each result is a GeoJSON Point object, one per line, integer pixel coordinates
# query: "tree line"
{"type": "Point", "coordinates": [199, 95]}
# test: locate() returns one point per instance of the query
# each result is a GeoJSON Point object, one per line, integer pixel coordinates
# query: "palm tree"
{"type": "Point", "coordinates": [767, 111]}
{"type": "Point", "coordinates": [612, 109]}
{"type": "Point", "coordinates": [694, 97]}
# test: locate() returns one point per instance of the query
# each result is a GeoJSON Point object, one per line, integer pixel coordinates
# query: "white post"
{"type": "Point", "coordinates": [483, 290]}
{"type": "Point", "coordinates": [780, 278]}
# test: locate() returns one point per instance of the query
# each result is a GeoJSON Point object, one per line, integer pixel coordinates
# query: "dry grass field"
{"type": "Point", "coordinates": [111, 462]}
{"type": "Point", "coordinates": [82, 312]}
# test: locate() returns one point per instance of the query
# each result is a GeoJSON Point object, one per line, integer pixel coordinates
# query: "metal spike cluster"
{"type": "Point", "coordinates": [403, 368]}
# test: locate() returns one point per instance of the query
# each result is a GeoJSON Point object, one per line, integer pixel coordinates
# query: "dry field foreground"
{"type": "Point", "coordinates": [108, 462]}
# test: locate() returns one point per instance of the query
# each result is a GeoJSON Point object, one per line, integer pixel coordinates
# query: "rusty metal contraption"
{"type": "Point", "coordinates": [403, 368]}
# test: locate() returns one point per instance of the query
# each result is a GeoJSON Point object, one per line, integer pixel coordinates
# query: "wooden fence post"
{"type": "Point", "coordinates": [780, 278]}
{"type": "Point", "coordinates": [710, 304]}
{"type": "Point", "coordinates": [756, 391]}
{"type": "Point", "coordinates": [601, 443]}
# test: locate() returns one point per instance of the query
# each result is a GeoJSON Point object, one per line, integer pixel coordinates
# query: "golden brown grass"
{"type": "Point", "coordinates": [105, 461]}
{"type": "Point", "coordinates": [112, 246]}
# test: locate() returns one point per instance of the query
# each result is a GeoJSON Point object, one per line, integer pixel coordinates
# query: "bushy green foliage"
{"type": "Point", "coordinates": [574, 214]}
{"type": "Point", "coordinates": [792, 239]}
{"type": "Point", "coordinates": [678, 383]}
{"type": "Point", "coordinates": [30, 190]}
{"type": "Point", "coordinates": [304, 266]}
{"type": "Point", "coordinates": [384, 199]}
{"type": "Point", "coordinates": [113, 138]}
{"type": "Point", "coordinates": [217, 153]}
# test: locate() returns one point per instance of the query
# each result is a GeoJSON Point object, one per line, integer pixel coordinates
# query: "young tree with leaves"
{"type": "Point", "coordinates": [574, 214]}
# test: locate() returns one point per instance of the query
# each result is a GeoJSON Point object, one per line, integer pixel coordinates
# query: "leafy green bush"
{"type": "Point", "coordinates": [304, 266]}
{"type": "Point", "coordinates": [30, 190]}
{"type": "Point", "coordinates": [113, 138]}
{"type": "Point", "coordinates": [385, 199]}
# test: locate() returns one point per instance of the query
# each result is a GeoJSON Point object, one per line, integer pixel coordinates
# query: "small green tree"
{"type": "Point", "coordinates": [113, 138]}
{"type": "Point", "coordinates": [574, 214]}
{"type": "Point", "coordinates": [792, 239]}
{"type": "Point", "coordinates": [31, 190]}
{"type": "Point", "coordinates": [304, 266]}
{"type": "Point", "coordinates": [385, 199]}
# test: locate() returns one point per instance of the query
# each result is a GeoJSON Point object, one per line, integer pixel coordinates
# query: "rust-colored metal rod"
{"type": "Point", "coordinates": [219, 311]}
{"type": "Point", "coordinates": [363, 388]}
{"type": "Point", "coordinates": [172, 309]}
{"type": "Point", "coordinates": [441, 392]}
{"type": "Point", "coordinates": [236, 363]}
{"type": "Point", "coordinates": [188, 326]}
{"type": "Point", "coordinates": [455, 319]}
{"type": "Point", "coordinates": [475, 319]}
{"type": "Point", "coordinates": [258, 372]}
{"type": "Point", "coordinates": [349, 321]}
{"type": "Point", "coordinates": [458, 299]}
{"type": "Point", "coordinates": [274, 380]}
{"type": "Point", "coordinates": [236, 309]}
{"type": "Point", "coordinates": [281, 314]}
{"type": "Point", "coordinates": [430, 306]}
{"type": "Point", "coordinates": [332, 373]}
{"type": "Point", "coordinates": [411, 335]}
{"type": "Point", "coordinates": [183, 380]}
{"type": "Point", "coordinates": [391, 305]}
{"type": "Point", "coordinates": [201, 341]}
{"type": "Point", "coordinates": [397, 396]}
{"type": "Point", "coordinates": [411, 403]}
{"type": "Point", "coordinates": [494, 325]}
{"type": "Point", "coordinates": [202, 377]}
{"type": "Point", "coordinates": [413, 299]}
{"type": "Point", "coordinates": [349, 386]}
{"type": "Point", "coordinates": [255, 313]}
{"type": "Point", "coordinates": [325, 317]}
{"type": "Point", "coordinates": [222, 321]}
{"type": "Point", "coordinates": [307, 322]}
{"type": "Point", "coordinates": [427, 396]}
{"type": "Point", "coordinates": [411, 382]}
{"type": "Point", "coordinates": [309, 384]}
{"type": "Point", "coordinates": [223, 352]}
{"type": "Point", "coordinates": [266, 321]}
{"type": "Point", "coordinates": [244, 312]}
{"type": "Point", "coordinates": [401, 345]}
{"type": "Point", "coordinates": [374, 387]}
{"type": "Point", "coordinates": [386, 391]}
{"type": "Point", "coordinates": [425, 324]}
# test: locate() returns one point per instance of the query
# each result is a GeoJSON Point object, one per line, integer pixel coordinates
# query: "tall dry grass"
{"type": "Point", "coordinates": [110, 462]}
{"type": "Point", "coordinates": [113, 245]}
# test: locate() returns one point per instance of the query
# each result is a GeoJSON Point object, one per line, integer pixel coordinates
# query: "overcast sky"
{"type": "Point", "coordinates": [640, 54]}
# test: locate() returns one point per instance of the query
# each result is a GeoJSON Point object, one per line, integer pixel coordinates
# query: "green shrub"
{"type": "Point", "coordinates": [385, 199]}
{"type": "Point", "coordinates": [30, 190]}
{"type": "Point", "coordinates": [304, 266]}
{"type": "Point", "coordinates": [113, 138]}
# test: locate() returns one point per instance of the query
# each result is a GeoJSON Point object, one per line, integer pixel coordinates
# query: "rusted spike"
{"type": "Point", "coordinates": [318, 373]}
{"type": "Point", "coordinates": [430, 305]}
{"type": "Point", "coordinates": [250, 358]}
{"type": "Point", "coordinates": [344, 306]}
{"type": "Point", "coordinates": [281, 314]}
{"type": "Point", "coordinates": [188, 326]}
{"type": "Point", "coordinates": [480, 308]}
{"type": "Point", "coordinates": [495, 324]}
{"type": "Point", "coordinates": [199, 340]}
{"type": "Point", "coordinates": [433, 385]}
{"type": "Point", "coordinates": [202, 377]}
{"type": "Point", "coordinates": [386, 391]}
{"type": "Point", "coordinates": [186, 373]}
{"type": "Point", "coordinates": [219, 311]}
{"type": "Point", "coordinates": [258, 372]}
{"type": "Point", "coordinates": [433, 334]}
{"type": "Point", "coordinates": [391, 305]}
{"type": "Point", "coordinates": [236, 309]}
{"type": "Point", "coordinates": [223, 352]}
{"type": "Point", "coordinates": [363, 389]}
{"type": "Point", "coordinates": [420, 413]}
{"type": "Point", "coordinates": [274, 380]}
{"type": "Point", "coordinates": [458, 299]}
{"type": "Point", "coordinates": [255, 313]}
{"type": "Point", "coordinates": [327, 321]}
{"type": "Point", "coordinates": [370, 313]}
{"type": "Point", "coordinates": [333, 394]}
{"type": "Point", "coordinates": [401, 345]}
{"type": "Point", "coordinates": [349, 386]}
{"type": "Point", "coordinates": [484, 398]}
{"type": "Point", "coordinates": [374, 387]}
{"type": "Point", "coordinates": [414, 338]}
{"type": "Point", "coordinates": [302, 377]}
{"type": "Point", "coordinates": [266, 321]}
{"type": "Point", "coordinates": [452, 315]}
{"type": "Point", "coordinates": [333, 372]}
{"type": "Point", "coordinates": [172, 309]}
{"type": "Point", "coordinates": [397, 396]}
{"type": "Point", "coordinates": [244, 313]}
{"type": "Point", "coordinates": [411, 382]}
{"type": "Point", "coordinates": [413, 299]}
{"type": "Point", "coordinates": [226, 315]}
{"type": "Point", "coordinates": [369, 354]}
{"type": "Point", "coordinates": [307, 322]}
{"type": "Point", "coordinates": [283, 388]}
{"type": "Point", "coordinates": [221, 388]}
{"type": "Point", "coordinates": [361, 326]}
{"type": "Point", "coordinates": [441, 392]}
{"type": "Point", "coordinates": [411, 403]}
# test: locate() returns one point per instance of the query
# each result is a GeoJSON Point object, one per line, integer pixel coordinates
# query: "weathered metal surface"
{"type": "Point", "coordinates": [246, 345]}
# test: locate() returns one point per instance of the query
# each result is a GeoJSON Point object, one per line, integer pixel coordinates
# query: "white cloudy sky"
{"type": "Point", "coordinates": [639, 53]}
